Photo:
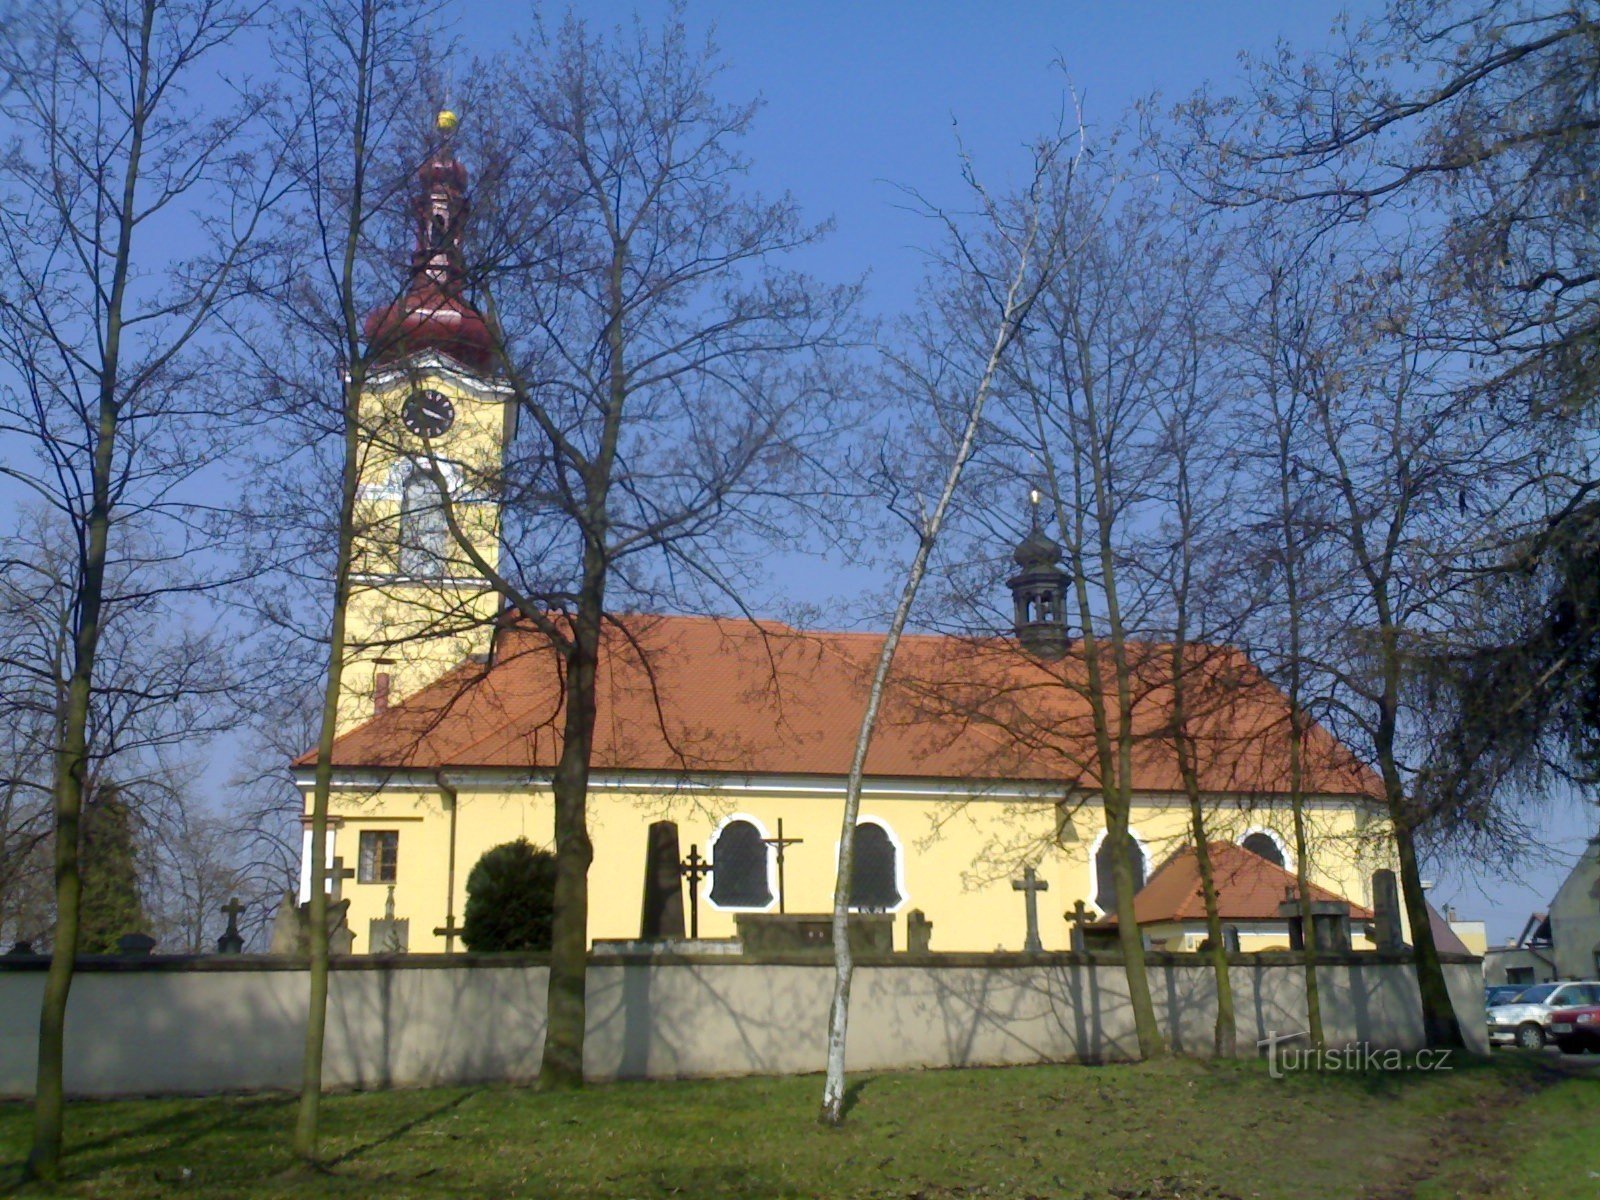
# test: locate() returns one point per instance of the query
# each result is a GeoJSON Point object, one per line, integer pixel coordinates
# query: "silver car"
{"type": "Point", "coordinates": [1525, 1021]}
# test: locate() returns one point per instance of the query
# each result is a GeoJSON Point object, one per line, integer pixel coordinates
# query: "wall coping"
{"type": "Point", "coordinates": [1003, 959]}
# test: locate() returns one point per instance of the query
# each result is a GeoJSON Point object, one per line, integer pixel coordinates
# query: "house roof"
{"type": "Point", "coordinates": [699, 694]}
{"type": "Point", "coordinates": [1249, 888]}
{"type": "Point", "coordinates": [1445, 939]}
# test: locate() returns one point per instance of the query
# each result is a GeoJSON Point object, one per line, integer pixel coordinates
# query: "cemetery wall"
{"type": "Point", "coordinates": [166, 1026]}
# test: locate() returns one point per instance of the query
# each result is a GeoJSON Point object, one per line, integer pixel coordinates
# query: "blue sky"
{"type": "Point", "coordinates": [860, 97]}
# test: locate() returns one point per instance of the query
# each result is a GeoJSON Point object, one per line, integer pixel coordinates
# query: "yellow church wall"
{"type": "Point", "coordinates": [956, 859]}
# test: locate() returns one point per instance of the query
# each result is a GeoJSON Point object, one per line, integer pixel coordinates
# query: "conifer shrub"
{"type": "Point", "coordinates": [511, 896]}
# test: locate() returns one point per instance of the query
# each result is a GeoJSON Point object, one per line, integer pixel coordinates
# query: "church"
{"type": "Point", "coordinates": [981, 784]}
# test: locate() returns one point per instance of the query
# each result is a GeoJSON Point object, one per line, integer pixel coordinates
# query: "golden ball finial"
{"type": "Point", "coordinates": [446, 120]}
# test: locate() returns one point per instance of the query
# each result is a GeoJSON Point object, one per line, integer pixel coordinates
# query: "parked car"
{"type": "Point", "coordinates": [1576, 1029]}
{"type": "Point", "coordinates": [1525, 1021]}
{"type": "Point", "coordinates": [1502, 993]}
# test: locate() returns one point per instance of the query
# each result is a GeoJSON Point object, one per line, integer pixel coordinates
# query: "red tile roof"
{"type": "Point", "coordinates": [711, 695]}
{"type": "Point", "coordinates": [1249, 888]}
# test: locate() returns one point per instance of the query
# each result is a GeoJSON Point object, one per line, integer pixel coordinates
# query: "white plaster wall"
{"type": "Point", "coordinates": [166, 1031]}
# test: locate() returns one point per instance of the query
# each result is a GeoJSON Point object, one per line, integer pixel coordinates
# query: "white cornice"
{"type": "Point", "coordinates": [434, 363]}
{"type": "Point", "coordinates": [512, 779]}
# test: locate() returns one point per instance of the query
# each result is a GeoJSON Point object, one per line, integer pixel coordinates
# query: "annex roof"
{"type": "Point", "coordinates": [702, 695]}
{"type": "Point", "coordinates": [1249, 888]}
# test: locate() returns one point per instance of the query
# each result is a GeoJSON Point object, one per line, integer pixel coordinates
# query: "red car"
{"type": "Point", "coordinates": [1575, 1029]}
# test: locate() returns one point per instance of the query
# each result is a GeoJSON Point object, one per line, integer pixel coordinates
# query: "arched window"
{"type": "Point", "coordinates": [424, 535]}
{"type": "Point", "coordinates": [1266, 846]}
{"type": "Point", "coordinates": [873, 874]}
{"type": "Point", "coordinates": [739, 867]}
{"type": "Point", "coordinates": [1105, 891]}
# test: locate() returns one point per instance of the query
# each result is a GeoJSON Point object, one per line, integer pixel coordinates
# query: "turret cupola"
{"type": "Point", "coordinates": [1039, 592]}
{"type": "Point", "coordinates": [433, 315]}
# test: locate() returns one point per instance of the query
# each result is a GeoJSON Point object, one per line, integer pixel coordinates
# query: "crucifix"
{"type": "Point", "coordinates": [231, 942]}
{"type": "Point", "coordinates": [1031, 885]}
{"type": "Point", "coordinates": [779, 843]}
{"type": "Point", "coordinates": [694, 868]}
{"type": "Point", "coordinates": [1079, 916]}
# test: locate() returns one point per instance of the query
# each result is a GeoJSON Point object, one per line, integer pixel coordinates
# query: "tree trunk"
{"type": "Point", "coordinates": [306, 1132]}
{"type": "Point", "coordinates": [562, 1064]}
{"type": "Point", "coordinates": [1302, 874]}
{"type": "Point", "coordinates": [72, 756]}
{"type": "Point", "coordinates": [1016, 305]}
{"type": "Point", "coordinates": [1440, 1024]}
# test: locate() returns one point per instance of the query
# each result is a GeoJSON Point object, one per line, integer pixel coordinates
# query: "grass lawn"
{"type": "Point", "coordinates": [1512, 1128]}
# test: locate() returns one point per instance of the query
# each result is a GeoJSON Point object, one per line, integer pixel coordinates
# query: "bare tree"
{"type": "Point", "coordinates": [98, 324]}
{"type": "Point", "coordinates": [670, 378]}
{"type": "Point", "coordinates": [1090, 384]}
{"type": "Point", "coordinates": [1471, 131]}
{"type": "Point", "coordinates": [1196, 493]}
{"type": "Point", "coordinates": [356, 80]}
{"type": "Point", "coordinates": [998, 274]}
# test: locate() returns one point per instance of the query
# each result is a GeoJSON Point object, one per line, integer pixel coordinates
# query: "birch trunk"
{"type": "Point", "coordinates": [1016, 304]}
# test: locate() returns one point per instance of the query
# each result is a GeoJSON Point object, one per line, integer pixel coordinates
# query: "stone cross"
{"type": "Point", "coordinates": [1079, 916]}
{"type": "Point", "coordinates": [338, 873]}
{"type": "Point", "coordinates": [449, 931]}
{"type": "Point", "coordinates": [1031, 885]}
{"type": "Point", "coordinates": [231, 942]}
{"type": "Point", "coordinates": [694, 868]}
{"type": "Point", "coordinates": [778, 843]}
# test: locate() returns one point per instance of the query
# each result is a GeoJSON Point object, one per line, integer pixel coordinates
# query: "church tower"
{"type": "Point", "coordinates": [432, 411]}
{"type": "Point", "coordinates": [1039, 593]}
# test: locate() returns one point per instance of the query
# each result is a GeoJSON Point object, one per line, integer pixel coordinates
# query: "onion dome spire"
{"type": "Point", "coordinates": [433, 315]}
{"type": "Point", "coordinates": [1039, 591]}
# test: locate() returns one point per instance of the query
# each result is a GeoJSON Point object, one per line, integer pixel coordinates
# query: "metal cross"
{"type": "Point", "coordinates": [449, 931]}
{"type": "Point", "coordinates": [694, 868]}
{"type": "Point", "coordinates": [779, 843]}
{"type": "Point", "coordinates": [1031, 885]}
{"type": "Point", "coordinates": [338, 873]}
{"type": "Point", "coordinates": [1079, 916]}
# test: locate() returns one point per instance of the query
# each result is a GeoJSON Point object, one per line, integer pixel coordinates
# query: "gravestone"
{"type": "Point", "coordinates": [1031, 885]}
{"type": "Point", "coordinates": [291, 928]}
{"type": "Point", "coordinates": [1230, 939]}
{"type": "Point", "coordinates": [1079, 916]}
{"type": "Point", "coordinates": [231, 941]}
{"type": "Point", "coordinates": [812, 933]}
{"type": "Point", "coordinates": [1386, 911]}
{"type": "Point", "coordinates": [135, 945]}
{"type": "Point", "coordinates": [662, 915]}
{"type": "Point", "coordinates": [1330, 924]}
{"type": "Point", "coordinates": [388, 934]}
{"type": "Point", "coordinates": [919, 932]}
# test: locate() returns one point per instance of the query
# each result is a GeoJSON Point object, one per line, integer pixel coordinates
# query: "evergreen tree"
{"type": "Point", "coordinates": [511, 899]}
{"type": "Point", "coordinates": [111, 906]}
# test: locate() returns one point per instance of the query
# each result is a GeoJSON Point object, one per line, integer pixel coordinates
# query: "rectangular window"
{"type": "Point", "coordinates": [380, 856]}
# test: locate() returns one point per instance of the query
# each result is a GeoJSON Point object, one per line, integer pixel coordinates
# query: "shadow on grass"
{"type": "Point", "coordinates": [400, 1130]}
{"type": "Point", "coordinates": [852, 1096]}
{"type": "Point", "coordinates": [187, 1124]}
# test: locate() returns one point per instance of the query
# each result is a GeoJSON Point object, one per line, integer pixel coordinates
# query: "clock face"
{"type": "Point", "coordinates": [428, 413]}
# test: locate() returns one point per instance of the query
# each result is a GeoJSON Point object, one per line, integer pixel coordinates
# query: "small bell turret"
{"type": "Point", "coordinates": [1039, 592]}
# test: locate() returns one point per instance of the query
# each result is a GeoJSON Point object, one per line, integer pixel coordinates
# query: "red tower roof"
{"type": "Point", "coordinates": [433, 315]}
